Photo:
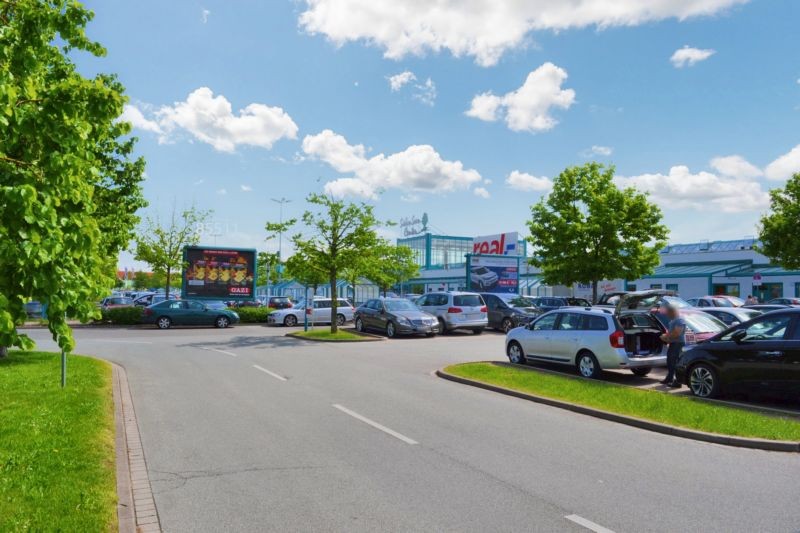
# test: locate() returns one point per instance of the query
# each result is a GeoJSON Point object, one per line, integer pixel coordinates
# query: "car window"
{"type": "Point", "coordinates": [594, 323]}
{"type": "Point", "coordinates": [468, 300]}
{"type": "Point", "coordinates": [399, 305]}
{"type": "Point", "coordinates": [702, 323]}
{"type": "Point", "coordinates": [441, 299]}
{"type": "Point", "coordinates": [546, 323]}
{"type": "Point", "coordinates": [322, 304]}
{"type": "Point", "coordinates": [175, 305]}
{"type": "Point", "coordinates": [570, 322]}
{"type": "Point", "coordinates": [579, 302]}
{"type": "Point", "coordinates": [766, 329]}
{"type": "Point", "coordinates": [196, 306]}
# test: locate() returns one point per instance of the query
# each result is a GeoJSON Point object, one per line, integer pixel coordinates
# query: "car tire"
{"type": "Point", "coordinates": [290, 321]}
{"type": "Point", "coordinates": [477, 331]}
{"type": "Point", "coordinates": [222, 322]}
{"type": "Point", "coordinates": [340, 320]}
{"type": "Point", "coordinates": [442, 327]}
{"type": "Point", "coordinates": [587, 365]}
{"type": "Point", "coordinates": [391, 330]}
{"type": "Point", "coordinates": [359, 325]}
{"type": "Point", "coordinates": [515, 353]}
{"type": "Point", "coordinates": [641, 372]}
{"type": "Point", "coordinates": [163, 322]}
{"type": "Point", "coordinates": [703, 381]}
{"type": "Point", "coordinates": [507, 325]}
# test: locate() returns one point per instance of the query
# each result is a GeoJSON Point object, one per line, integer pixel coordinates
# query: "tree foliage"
{"type": "Point", "coordinates": [587, 229]}
{"type": "Point", "coordinates": [778, 233]}
{"type": "Point", "coordinates": [161, 245]}
{"type": "Point", "coordinates": [69, 187]}
{"type": "Point", "coordinates": [267, 267]}
{"type": "Point", "coordinates": [339, 233]}
{"type": "Point", "coordinates": [389, 265]}
{"type": "Point", "coordinates": [301, 269]}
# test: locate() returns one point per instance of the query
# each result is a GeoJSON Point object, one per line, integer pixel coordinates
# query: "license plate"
{"type": "Point", "coordinates": [473, 316]}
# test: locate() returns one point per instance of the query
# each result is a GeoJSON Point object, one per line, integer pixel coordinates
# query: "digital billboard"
{"type": "Point", "coordinates": [219, 273]}
{"type": "Point", "coordinates": [493, 273]}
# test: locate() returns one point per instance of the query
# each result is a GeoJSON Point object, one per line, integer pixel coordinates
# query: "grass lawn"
{"type": "Point", "coordinates": [650, 405]}
{"type": "Point", "coordinates": [57, 465]}
{"type": "Point", "coordinates": [325, 334]}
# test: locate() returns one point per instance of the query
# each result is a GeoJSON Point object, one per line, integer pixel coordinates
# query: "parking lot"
{"type": "Point", "coordinates": [246, 429]}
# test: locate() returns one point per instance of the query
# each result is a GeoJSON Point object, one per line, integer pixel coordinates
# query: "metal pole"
{"type": "Point", "coordinates": [305, 312]}
{"type": "Point", "coordinates": [63, 368]}
{"type": "Point", "coordinates": [280, 201]}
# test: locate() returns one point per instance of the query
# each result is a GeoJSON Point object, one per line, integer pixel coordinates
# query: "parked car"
{"type": "Point", "coordinates": [411, 296]}
{"type": "Point", "coordinates": [113, 302]}
{"type": "Point", "coordinates": [548, 303]}
{"type": "Point", "coordinates": [610, 299]}
{"type": "Point", "coordinates": [735, 300]}
{"type": "Point", "coordinates": [456, 310]}
{"type": "Point", "coordinates": [483, 278]}
{"type": "Point", "coordinates": [187, 313]}
{"type": "Point", "coordinates": [279, 302]}
{"type": "Point", "coordinates": [766, 308]}
{"type": "Point", "coordinates": [732, 316]}
{"type": "Point", "coordinates": [152, 298]}
{"type": "Point", "coordinates": [710, 301]}
{"type": "Point", "coordinates": [762, 354]}
{"type": "Point", "coordinates": [593, 339]}
{"type": "Point", "coordinates": [506, 312]}
{"type": "Point", "coordinates": [785, 301]}
{"type": "Point", "coordinates": [395, 316]}
{"type": "Point", "coordinates": [248, 303]}
{"type": "Point", "coordinates": [216, 304]}
{"type": "Point", "coordinates": [319, 313]}
{"type": "Point", "coordinates": [33, 308]}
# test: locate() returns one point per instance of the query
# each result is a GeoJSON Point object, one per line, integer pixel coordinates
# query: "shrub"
{"type": "Point", "coordinates": [122, 315]}
{"type": "Point", "coordinates": [252, 315]}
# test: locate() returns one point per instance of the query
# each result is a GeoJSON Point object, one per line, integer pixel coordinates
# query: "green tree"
{"type": "Point", "coordinates": [779, 227]}
{"type": "Point", "coordinates": [340, 233]}
{"type": "Point", "coordinates": [267, 264]}
{"type": "Point", "coordinates": [69, 190]}
{"type": "Point", "coordinates": [161, 245]}
{"type": "Point", "coordinates": [390, 265]}
{"type": "Point", "coordinates": [141, 280]}
{"type": "Point", "coordinates": [305, 272]}
{"type": "Point", "coordinates": [587, 229]}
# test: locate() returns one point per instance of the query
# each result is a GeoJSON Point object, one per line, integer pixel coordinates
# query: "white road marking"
{"type": "Point", "coordinates": [588, 524]}
{"type": "Point", "coordinates": [219, 351]}
{"type": "Point", "coordinates": [375, 424]}
{"type": "Point", "coordinates": [273, 374]}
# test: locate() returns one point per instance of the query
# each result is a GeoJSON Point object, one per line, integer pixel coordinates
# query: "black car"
{"type": "Point", "coordinates": [395, 316]}
{"type": "Point", "coordinates": [548, 303]}
{"type": "Point", "coordinates": [507, 312]}
{"type": "Point", "coordinates": [279, 302]}
{"type": "Point", "coordinates": [762, 354]}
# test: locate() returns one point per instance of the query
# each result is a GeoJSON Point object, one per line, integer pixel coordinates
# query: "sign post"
{"type": "Point", "coordinates": [305, 312]}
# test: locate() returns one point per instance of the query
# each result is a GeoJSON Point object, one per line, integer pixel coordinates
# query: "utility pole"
{"type": "Point", "coordinates": [280, 201]}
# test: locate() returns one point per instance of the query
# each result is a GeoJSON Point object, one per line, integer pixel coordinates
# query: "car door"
{"type": "Point", "coordinates": [196, 314]}
{"type": "Point", "coordinates": [321, 313]}
{"type": "Point", "coordinates": [177, 312]}
{"type": "Point", "coordinates": [494, 310]}
{"type": "Point", "coordinates": [565, 337]}
{"type": "Point", "coordinates": [365, 313]}
{"type": "Point", "coordinates": [791, 370]}
{"type": "Point", "coordinates": [381, 318]}
{"type": "Point", "coordinates": [536, 342]}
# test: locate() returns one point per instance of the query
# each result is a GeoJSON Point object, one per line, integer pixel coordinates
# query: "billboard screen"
{"type": "Point", "coordinates": [500, 244]}
{"type": "Point", "coordinates": [219, 273]}
{"type": "Point", "coordinates": [496, 274]}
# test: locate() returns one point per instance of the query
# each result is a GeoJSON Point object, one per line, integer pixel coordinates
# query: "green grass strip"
{"type": "Point", "coordinates": [682, 411]}
{"type": "Point", "coordinates": [57, 464]}
{"type": "Point", "coordinates": [325, 334]}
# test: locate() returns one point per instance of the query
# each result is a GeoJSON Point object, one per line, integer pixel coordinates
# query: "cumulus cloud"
{"type": "Point", "coordinates": [418, 168]}
{"type": "Point", "coordinates": [786, 165]}
{"type": "Point", "coordinates": [204, 15]}
{"type": "Point", "coordinates": [735, 166]}
{"type": "Point", "coordinates": [680, 189]}
{"type": "Point", "coordinates": [397, 81]}
{"type": "Point", "coordinates": [482, 29]}
{"type": "Point", "coordinates": [482, 192]}
{"type": "Point", "coordinates": [527, 108]}
{"type": "Point", "coordinates": [424, 92]}
{"type": "Point", "coordinates": [604, 151]}
{"type": "Point", "coordinates": [689, 57]}
{"type": "Point", "coordinates": [523, 181]}
{"type": "Point", "coordinates": [210, 119]}
{"type": "Point", "coordinates": [246, 188]}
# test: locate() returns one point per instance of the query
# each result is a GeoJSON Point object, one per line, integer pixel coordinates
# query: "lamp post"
{"type": "Point", "coordinates": [280, 201]}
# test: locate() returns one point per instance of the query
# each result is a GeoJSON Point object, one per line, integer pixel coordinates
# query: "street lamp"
{"type": "Point", "coordinates": [280, 201]}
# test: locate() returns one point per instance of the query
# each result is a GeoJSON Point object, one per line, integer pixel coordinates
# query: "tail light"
{"type": "Point", "coordinates": [454, 310]}
{"type": "Point", "coordinates": [483, 309]}
{"type": "Point", "coordinates": [617, 339]}
{"type": "Point", "coordinates": [308, 310]}
{"type": "Point", "coordinates": [147, 311]}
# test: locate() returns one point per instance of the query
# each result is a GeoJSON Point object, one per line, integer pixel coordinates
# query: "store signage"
{"type": "Point", "coordinates": [413, 225]}
{"type": "Point", "coordinates": [501, 244]}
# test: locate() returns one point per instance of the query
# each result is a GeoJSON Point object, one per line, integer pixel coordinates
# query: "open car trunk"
{"type": "Point", "coordinates": [642, 342]}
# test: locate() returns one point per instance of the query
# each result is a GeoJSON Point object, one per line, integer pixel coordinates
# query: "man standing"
{"type": "Point", "coordinates": [751, 300]}
{"type": "Point", "coordinates": [676, 338]}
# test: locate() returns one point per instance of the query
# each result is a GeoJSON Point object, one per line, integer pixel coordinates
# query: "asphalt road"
{"type": "Point", "coordinates": [246, 430]}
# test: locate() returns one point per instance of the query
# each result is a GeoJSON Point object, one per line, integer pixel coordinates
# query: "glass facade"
{"type": "Point", "coordinates": [441, 251]}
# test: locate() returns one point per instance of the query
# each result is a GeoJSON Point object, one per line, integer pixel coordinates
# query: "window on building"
{"type": "Point", "coordinates": [768, 291]}
{"type": "Point", "coordinates": [656, 286]}
{"type": "Point", "coordinates": [797, 292]}
{"type": "Point", "coordinates": [672, 287]}
{"type": "Point", "coordinates": [630, 287]}
{"type": "Point", "coordinates": [727, 289]}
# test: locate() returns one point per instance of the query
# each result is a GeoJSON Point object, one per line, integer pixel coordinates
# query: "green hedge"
{"type": "Point", "coordinates": [252, 315]}
{"type": "Point", "coordinates": [122, 315]}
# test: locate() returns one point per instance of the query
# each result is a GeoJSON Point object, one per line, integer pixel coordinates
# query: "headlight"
{"type": "Point", "coordinates": [404, 320]}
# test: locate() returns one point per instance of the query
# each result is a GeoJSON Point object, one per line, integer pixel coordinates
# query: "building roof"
{"type": "Point", "coordinates": [711, 246]}
{"type": "Point", "coordinates": [690, 270]}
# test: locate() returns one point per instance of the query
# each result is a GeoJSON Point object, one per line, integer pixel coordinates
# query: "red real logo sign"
{"type": "Point", "coordinates": [502, 244]}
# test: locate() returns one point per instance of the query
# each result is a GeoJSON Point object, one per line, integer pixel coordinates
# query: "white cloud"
{"type": "Point", "coordinates": [204, 15]}
{"type": "Point", "coordinates": [210, 119]}
{"type": "Point", "coordinates": [425, 92]}
{"type": "Point", "coordinates": [735, 166]}
{"type": "Point", "coordinates": [527, 108]}
{"type": "Point", "coordinates": [222, 192]}
{"type": "Point", "coordinates": [688, 56]}
{"type": "Point", "coordinates": [786, 165]}
{"type": "Point", "coordinates": [604, 151]}
{"type": "Point", "coordinates": [418, 168]}
{"type": "Point", "coordinates": [397, 81]}
{"type": "Point", "coordinates": [137, 119]}
{"type": "Point", "coordinates": [523, 181]}
{"type": "Point", "coordinates": [481, 191]}
{"type": "Point", "coordinates": [483, 29]}
{"type": "Point", "coordinates": [680, 189]}
{"type": "Point", "coordinates": [246, 188]}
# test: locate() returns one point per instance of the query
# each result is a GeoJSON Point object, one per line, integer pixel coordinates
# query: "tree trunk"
{"type": "Point", "coordinates": [3, 351]}
{"type": "Point", "coordinates": [594, 292]}
{"type": "Point", "coordinates": [168, 275]}
{"type": "Point", "coordinates": [334, 306]}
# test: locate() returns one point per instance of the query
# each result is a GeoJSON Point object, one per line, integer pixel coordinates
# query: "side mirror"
{"type": "Point", "coordinates": [738, 336]}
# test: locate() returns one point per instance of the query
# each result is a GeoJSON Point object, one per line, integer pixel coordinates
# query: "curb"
{"type": "Point", "coordinates": [740, 442]}
{"type": "Point", "coordinates": [136, 508]}
{"type": "Point", "coordinates": [368, 337]}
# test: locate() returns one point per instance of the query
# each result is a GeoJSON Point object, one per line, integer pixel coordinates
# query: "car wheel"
{"type": "Point", "coordinates": [515, 353]}
{"type": "Point", "coordinates": [222, 322]}
{"type": "Point", "coordinates": [290, 321]}
{"type": "Point", "coordinates": [359, 325]}
{"type": "Point", "coordinates": [163, 322]}
{"type": "Point", "coordinates": [703, 381]}
{"type": "Point", "coordinates": [507, 325]}
{"type": "Point", "coordinates": [431, 334]}
{"type": "Point", "coordinates": [390, 330]}
{"type": "Point", "coordinates": [641, 372]}
{"type": "Point", "coordinates": [588, 366]}
{"type": "Point", "coordinates": [477, 331]}
{"type": "Point", "coordinates": [340, 320]}
{"type": "Point", "coordinates": [442, 327]}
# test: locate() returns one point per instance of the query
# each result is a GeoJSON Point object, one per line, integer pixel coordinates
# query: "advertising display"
{"type": "Point", "coordinates": [219, 273]}
{"type": "Point", "coordinates": [493, 273]}
{"type": "Point", "coordinates": [501, 244]}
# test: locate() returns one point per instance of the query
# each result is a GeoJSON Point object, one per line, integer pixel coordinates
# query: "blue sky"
{"type": "Point", "coordinates": [707, 136]}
